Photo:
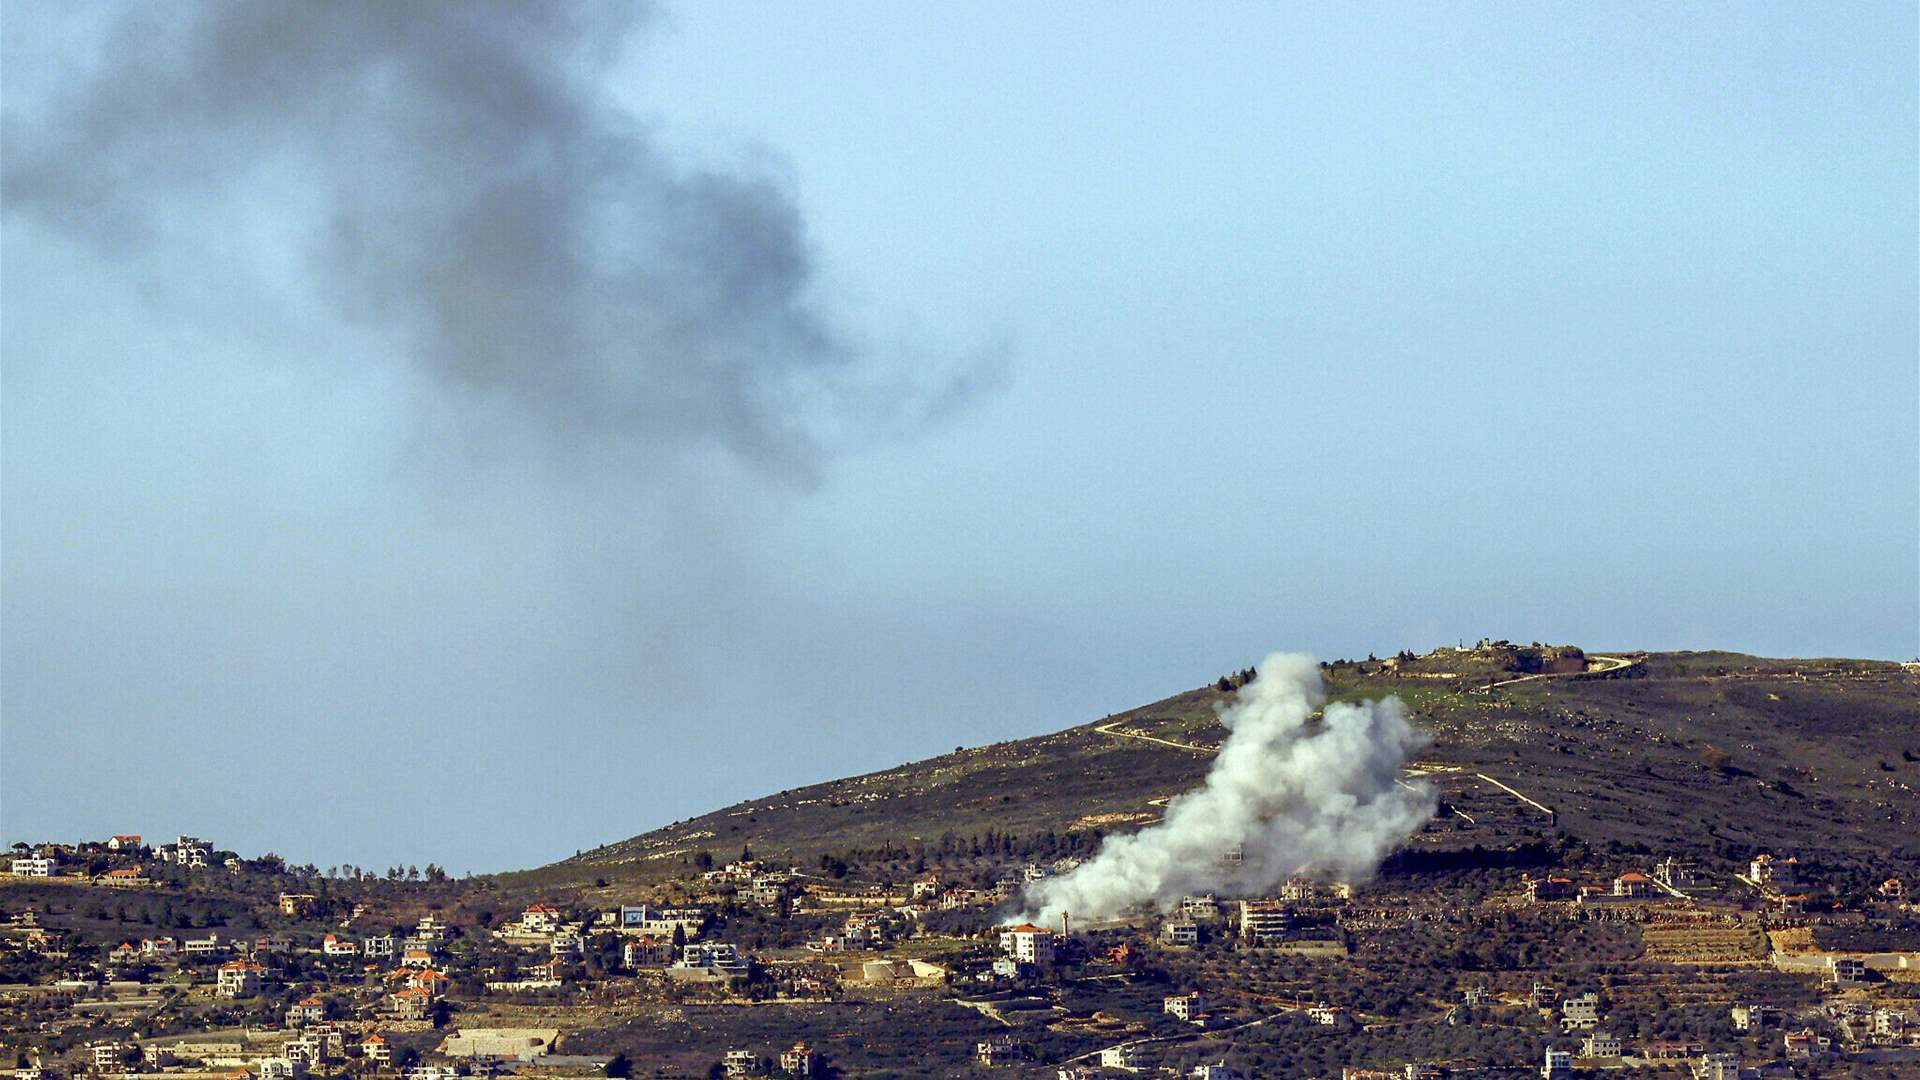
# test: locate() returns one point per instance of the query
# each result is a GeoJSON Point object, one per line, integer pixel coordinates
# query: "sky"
{"type": "Point", "coordinates": [473, 434]}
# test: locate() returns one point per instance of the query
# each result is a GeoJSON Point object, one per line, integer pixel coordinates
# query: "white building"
{"type": "Point", "coordinates": [187, 851]}
{"type": "Point", "coordinates": [1124, 1056]}
{"type": "Point", "coordinates": [1028, 944]}
{"type": "Point", "coordinates": [240, 978]}
{"type": "Point", "coordinates": [1600, 1045]}
{"type": "Point", "coordinates": [539, 919]}
{"type": "Point", "coordinates": [34, 866]}
{"type": "Point", "coordinates": [715, 956]}
{"type": "Point", "coordinates": [1559, 1063]}
{"type": "Point", "coordinates": [1182, 1006]}
{"type": "Point", "coordinates": [1182, 932]}
{"type": "Point", "coordinates": [1717, 1067]}
{"type": "Point", "coordinates": [1767, 870]}
{"type": "Point", "coordinates": [108, 1057]}
{"type": "Point", "coordinates": [1264, 920]}
{"type": "Point", "coordinates": [797, 1060]}
{"type": "Point", "coordinates": [661, 922]}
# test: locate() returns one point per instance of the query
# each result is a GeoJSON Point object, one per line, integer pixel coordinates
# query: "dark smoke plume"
{"type": "Point", "coordinates": [455, 177]}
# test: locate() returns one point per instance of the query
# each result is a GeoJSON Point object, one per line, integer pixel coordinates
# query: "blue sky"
{"type": "Point", "coordinates": [1338, 329]}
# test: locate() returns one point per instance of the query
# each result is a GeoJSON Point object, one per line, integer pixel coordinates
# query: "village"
{"type": "Point", "coordinates": [1758, 968]}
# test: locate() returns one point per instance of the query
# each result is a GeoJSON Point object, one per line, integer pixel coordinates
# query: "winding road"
{"type": "Point", "coordinates": [1614, 663]}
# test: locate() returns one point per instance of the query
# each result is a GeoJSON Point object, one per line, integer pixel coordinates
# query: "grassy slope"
{"type": "Point", "coordinates": [1816, 763]}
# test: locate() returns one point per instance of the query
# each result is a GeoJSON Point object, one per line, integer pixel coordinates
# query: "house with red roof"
{"type": "Point", "coordinates": [240, 978]}
{"type": "Point", "coordinates": [540, 919]}
{"type": "Point", "coordinates": [1633, 883]}
{"type": "Point", "coordinates": [1028, 944]}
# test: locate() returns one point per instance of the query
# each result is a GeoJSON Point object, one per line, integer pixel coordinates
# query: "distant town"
{"type": "Point", "coordinates": [129, 959]}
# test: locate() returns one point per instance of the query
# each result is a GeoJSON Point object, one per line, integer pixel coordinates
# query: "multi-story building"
{"type": "Point", "coordinates": [1676, 873]}
{"type": "Point", "coordinates": [1182, 1006]}
{"type": "Point", "coordinates": [1846, 970]}
{"type": "Point", "coordinates": [1264, 920]}
{"type": "Point", "coordinates": [1601, 1045]}
{"type": "Point", "coordinates": [240, 978]}
{"type": "Point", "coordinates": [539, 919]}
{"type": "Point", "coordinates": [716, 956]}
{"type": "Point", "coordinates": [797, 1060]}
{"type": "Point", "coordinates": [35, 866]}
{"type": "Point", "coordinates": [109, 1057]}
{"type": "Point", "coordinates": [1633, 883]}
{"type": "Point", "coordinates": [1200, 907]}
{"type": "Point", "coordinates": [1717, 1067]}
{"type": "Point", "coordinates": [1029, 944]}
{"type": "Point", "coordinates": [1580, 1012]}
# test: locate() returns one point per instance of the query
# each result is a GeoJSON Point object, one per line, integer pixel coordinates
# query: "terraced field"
{"type": "Point", "coordinates": [1722, 945]}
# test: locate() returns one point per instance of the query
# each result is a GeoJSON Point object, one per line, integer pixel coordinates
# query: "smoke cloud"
{"type": "Point", "coordinates": [457, 179]}
{"type": "Point", "coordinates": [1297, 798]}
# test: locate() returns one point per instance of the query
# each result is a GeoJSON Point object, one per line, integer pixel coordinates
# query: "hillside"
{"type": "Point", "coordinates": [1591, 767]}
{"type": "Point", "coordinates": [1710, 754]}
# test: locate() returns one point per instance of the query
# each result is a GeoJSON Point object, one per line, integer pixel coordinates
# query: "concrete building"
{"type": "Point", "coordinates": [1264, 920]}
{"type": "Point", "coordinates": [1580, 1012]}
{"type": "Point", "coordinates": [797, 1060]}
{"type": "Point", "coordinates": [1601, 1045]}
{"type": "Point", "coordinates": [1029, 944]}
{"type": "Point", "coordinates": [240, 978]}
{"type": "Point", "coordinates": [1182, 1006]}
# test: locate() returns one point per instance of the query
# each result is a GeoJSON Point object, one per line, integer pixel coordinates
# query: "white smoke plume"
{"type": "Point", "coordinates": [1296, 797]}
